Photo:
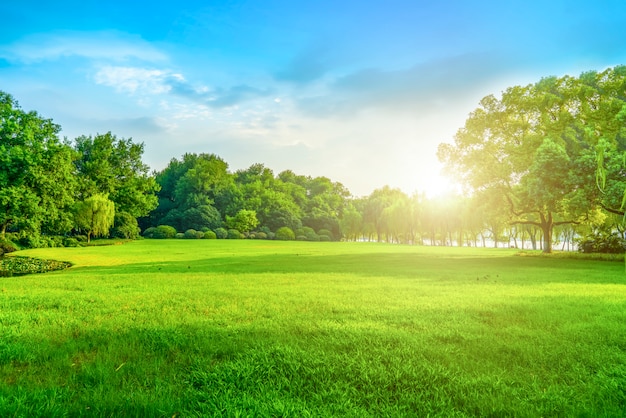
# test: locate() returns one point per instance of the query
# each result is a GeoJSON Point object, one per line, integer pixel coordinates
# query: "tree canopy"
{"type": "Point", "coordinates": [533, 146]}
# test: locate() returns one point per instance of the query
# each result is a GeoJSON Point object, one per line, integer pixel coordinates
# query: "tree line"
{"type": "Point", "coordinates": [541, 164]}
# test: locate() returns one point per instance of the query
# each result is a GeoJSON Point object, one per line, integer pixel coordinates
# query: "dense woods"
{"type": "Point", "coordinates": [541, 165]}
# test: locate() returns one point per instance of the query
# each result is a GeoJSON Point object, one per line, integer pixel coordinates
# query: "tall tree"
{"type": "Point", "coordinates": [532, 146]}
{"type": "Point", "coordinates": [36, 172]}
{"type": "Point", "coordinates": [195, 182]}
{"type": "Point", "coordinates": [112, 166]}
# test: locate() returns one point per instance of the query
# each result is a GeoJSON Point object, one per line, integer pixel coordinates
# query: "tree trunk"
{"type": "Point", "coordinates": [546, 227]}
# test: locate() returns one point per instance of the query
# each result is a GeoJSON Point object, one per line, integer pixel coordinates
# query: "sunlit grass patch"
{"type": "Point", "coordinates": [216, 328]}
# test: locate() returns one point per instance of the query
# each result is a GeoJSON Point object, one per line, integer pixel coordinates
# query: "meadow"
{"type": "Point", "coordinates": [268, 328]}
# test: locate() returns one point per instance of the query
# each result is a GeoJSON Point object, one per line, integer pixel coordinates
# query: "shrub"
{"type": "Point", "coordinates": [125, 226]}
{"type": "Point", "coordinates": [179, 235]}
{"type": "Point", "coordinates": [325, 232]}
{"type": "Point", "coordinates": [149, 232]}
{"type": "Point", "coordinates": [234, 234]}
{"type": "Point", "coordinates": [285, 234]}
{"type": "Point", "coordinates": [261, 235]}
{"type": "Point", "coordinates": [608, 243]}
{"type": "Point", "coordinates": [81, 238]}
{"type": "Point", "coordinates": [325, 238]}
{"type": "Point", "coordinates": [191, 234]}
{"type": "Point", "coordinates": [164, 232]}
{"type": "Point", "coordinates": [71, 242]}
{"type": "Point", "coordinates": [7, 246]}
{"type": "Point", "coordinates": [301, 238]}
{"type": "Point", "coordinates": [312, 236]}
{"type": "Point", "coordinates": [209, 235]}
{"type": "Point", "coordinates": [221, 233]}
{"type": "Point", "coordinates": [32, 241]}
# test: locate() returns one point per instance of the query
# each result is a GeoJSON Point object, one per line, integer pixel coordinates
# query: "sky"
{"type": "Point", "coordinates": [361, 92]}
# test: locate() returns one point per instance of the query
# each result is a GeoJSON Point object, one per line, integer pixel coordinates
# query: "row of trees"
{"type": "Point", "coordinates": [541, 162]}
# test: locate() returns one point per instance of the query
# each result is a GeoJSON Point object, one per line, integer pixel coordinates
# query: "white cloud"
{"type": "Point", "coordinates": [136, 80]}
{"type": "Point", "coordinates": [97, 45]}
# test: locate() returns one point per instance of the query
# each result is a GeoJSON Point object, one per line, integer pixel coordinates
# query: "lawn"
{"type": "Point", "coordinates": [269, 328]}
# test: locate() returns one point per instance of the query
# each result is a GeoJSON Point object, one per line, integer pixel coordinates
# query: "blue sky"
{"type": "Point", "coordinates": [358, 91]}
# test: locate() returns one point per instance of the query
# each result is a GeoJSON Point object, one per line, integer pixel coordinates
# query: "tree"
{"type": "Point", "coordinates": [112, 166]}
{"type": "Point", "coordinates": [95, 215]}
{"type": "Point", "coordinates": [244, 221]}
{"type": "Point", "coordinates": [125, 226]}
{"type": "Point", "coordinates": [533, 146]}
{"type": "Point", "coordinates": [36, 172]}
{"type": "Point", "coordinates": [194, 182]}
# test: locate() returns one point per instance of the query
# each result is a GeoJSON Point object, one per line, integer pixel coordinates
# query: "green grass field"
{"type": "Point", "coordinates": [268, 328]}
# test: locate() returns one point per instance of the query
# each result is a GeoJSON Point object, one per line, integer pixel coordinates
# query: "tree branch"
{"type": "Point", "coordinates": [614, 211]}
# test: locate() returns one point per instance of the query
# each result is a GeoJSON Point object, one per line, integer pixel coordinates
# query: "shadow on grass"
{"type": "Point", "coordinates": [389, 265]}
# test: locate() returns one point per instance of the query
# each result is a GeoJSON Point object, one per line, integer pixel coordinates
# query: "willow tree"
{"type": "Point", "coordinates": [95, 215]}
{"type": "Point", "coordinates": [535, 146]}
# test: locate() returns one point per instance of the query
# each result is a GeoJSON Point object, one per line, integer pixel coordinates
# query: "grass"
{"type": "Point", "coordinates": [266, 328]}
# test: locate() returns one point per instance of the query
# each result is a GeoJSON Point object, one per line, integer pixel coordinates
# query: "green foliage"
{"type": "Point", "coordinates": [36, 173]}
{"type": "Point", "coordinates": [221, 233]}
{"type": "Point", "coordinates": [164, 232]}
{"type": "Point", "coordinates": [193, 234]}
{"type": "Point", "coordinates": [210, 235]}
{"type": "Point", "coordinates": [95, 215]}
{"type": "Point", "coordinates": [285, 234]}
{"type": "Point", "coordinates": [602, 242]}
{"type": "Point", "coordinates": [234, 234]}
{"type": "Point", "coordinates": [179, 235]}
{"type": "Point", "coordinates": [70, 242]}
{"type": "Point", "coordinates": [18, 266]}
{"type": "Point", "coordinates": [244, 221]}
{"type": "Point", "coordinates": [149, 232]}
{"type": "Point", "coordinates": [535, 147]}
{"type": "Point", "coordinates": [7, 246]}
{"type": "Point", "coordinates": [125, 226]}
{"type": "Point", "coordinates": [261, 235]}
{"type": "Point", "coordinates": [110, 166]}
{"type": "Point", "coordinates": [325, 232]}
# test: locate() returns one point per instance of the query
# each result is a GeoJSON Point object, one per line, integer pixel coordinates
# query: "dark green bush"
{"type": "Point", "coordinates": [325, 238]}
{"type": "Point", "coordinates": [149, 232]}
{"type": "Point", "coordinates": [261, 235]}
{"type": "Point", "coordinates": [221, 233]}
{"type": "Point", "coordinates": [607, 243]}
{"type": "Point", "coordinates": [234, 234]}
{"type": "Point", "coordinates": [32, 241]}
{"type": "Point", "coordinates": [7, 246]}
{"type": "Point", "coordinates": [70, 242]}
{"type": "Point", "coordinates": [179, 235]}
{"type": "Point", "coordinates": [301, 238]}
{"type": "Point", "coordinates": [125, 226]}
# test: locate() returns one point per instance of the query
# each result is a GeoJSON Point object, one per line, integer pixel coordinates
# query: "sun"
{"type": "Point", "coordinates": [435, 185]}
